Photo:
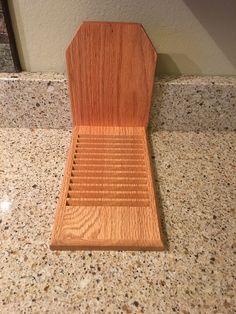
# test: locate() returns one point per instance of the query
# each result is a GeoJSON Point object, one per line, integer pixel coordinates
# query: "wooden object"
{"type": "Point", "coordinates": [107, 198]}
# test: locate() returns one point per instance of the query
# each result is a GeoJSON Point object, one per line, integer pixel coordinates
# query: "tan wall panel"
{"type": "Point", "coordinates": [191, 37]}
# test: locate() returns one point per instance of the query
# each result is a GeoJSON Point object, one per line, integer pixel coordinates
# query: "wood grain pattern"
{"type": "Point", "coordinates": [106, 201]}
{"type": "Point", "coordinates": [111, 68]}
{"type": "Point", "coordinates": [107, 198]}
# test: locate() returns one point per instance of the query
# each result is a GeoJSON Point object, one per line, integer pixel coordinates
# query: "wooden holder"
{"type": "Point", "coordinates": [107, 198]}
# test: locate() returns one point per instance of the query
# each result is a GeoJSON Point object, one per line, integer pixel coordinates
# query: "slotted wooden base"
{"type": "Point", "coordinates": [107, 200]}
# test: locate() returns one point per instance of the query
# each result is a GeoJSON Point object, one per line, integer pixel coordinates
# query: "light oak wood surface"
{"type": "Point", "coordinates": [107, 198]}
{"type": "Point", "coordinates": [111, 68]}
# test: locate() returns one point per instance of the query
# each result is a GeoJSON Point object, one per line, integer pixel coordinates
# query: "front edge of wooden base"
{"type": "Point", "coordinates": [157, 245]}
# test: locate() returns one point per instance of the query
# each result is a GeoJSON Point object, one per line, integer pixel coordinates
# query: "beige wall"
{"type": "Point", "coordinates": [191, 36]}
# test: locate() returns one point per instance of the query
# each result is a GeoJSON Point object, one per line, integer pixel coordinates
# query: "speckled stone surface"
{"type": "Point", "coordinates": [196, 274]}
{"type": "Point", "coordinates": [186, 103]}
{"type": "Point", "coordinates": [34, 100]}
{"type": "Point", "coordinates": [194, 104]}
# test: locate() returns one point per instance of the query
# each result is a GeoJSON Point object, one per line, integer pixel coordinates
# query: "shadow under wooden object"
{"type": "Point", "coordinates": [107, 198]}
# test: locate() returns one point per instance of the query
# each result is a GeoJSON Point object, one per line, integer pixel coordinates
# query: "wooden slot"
{"type": "Point", "coordinates": [107, 180]}
{"type": "Point", "coordinates": [108, 187]}
{"type": "Point", "coordinates": [107, 167]}
{"type": "Point", "coordinates": [107, 161]}
{"type": "Point", "coordinates": [107, 199]}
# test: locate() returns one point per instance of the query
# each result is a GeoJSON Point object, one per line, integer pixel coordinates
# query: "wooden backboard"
{"type": "Point", "coordinates": [111, 69]}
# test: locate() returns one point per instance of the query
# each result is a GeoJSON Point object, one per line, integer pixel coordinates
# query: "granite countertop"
{"type": "Point", "coordinates": [196, 182]}
{"type": "Point", "coordinates": [193, 139]}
